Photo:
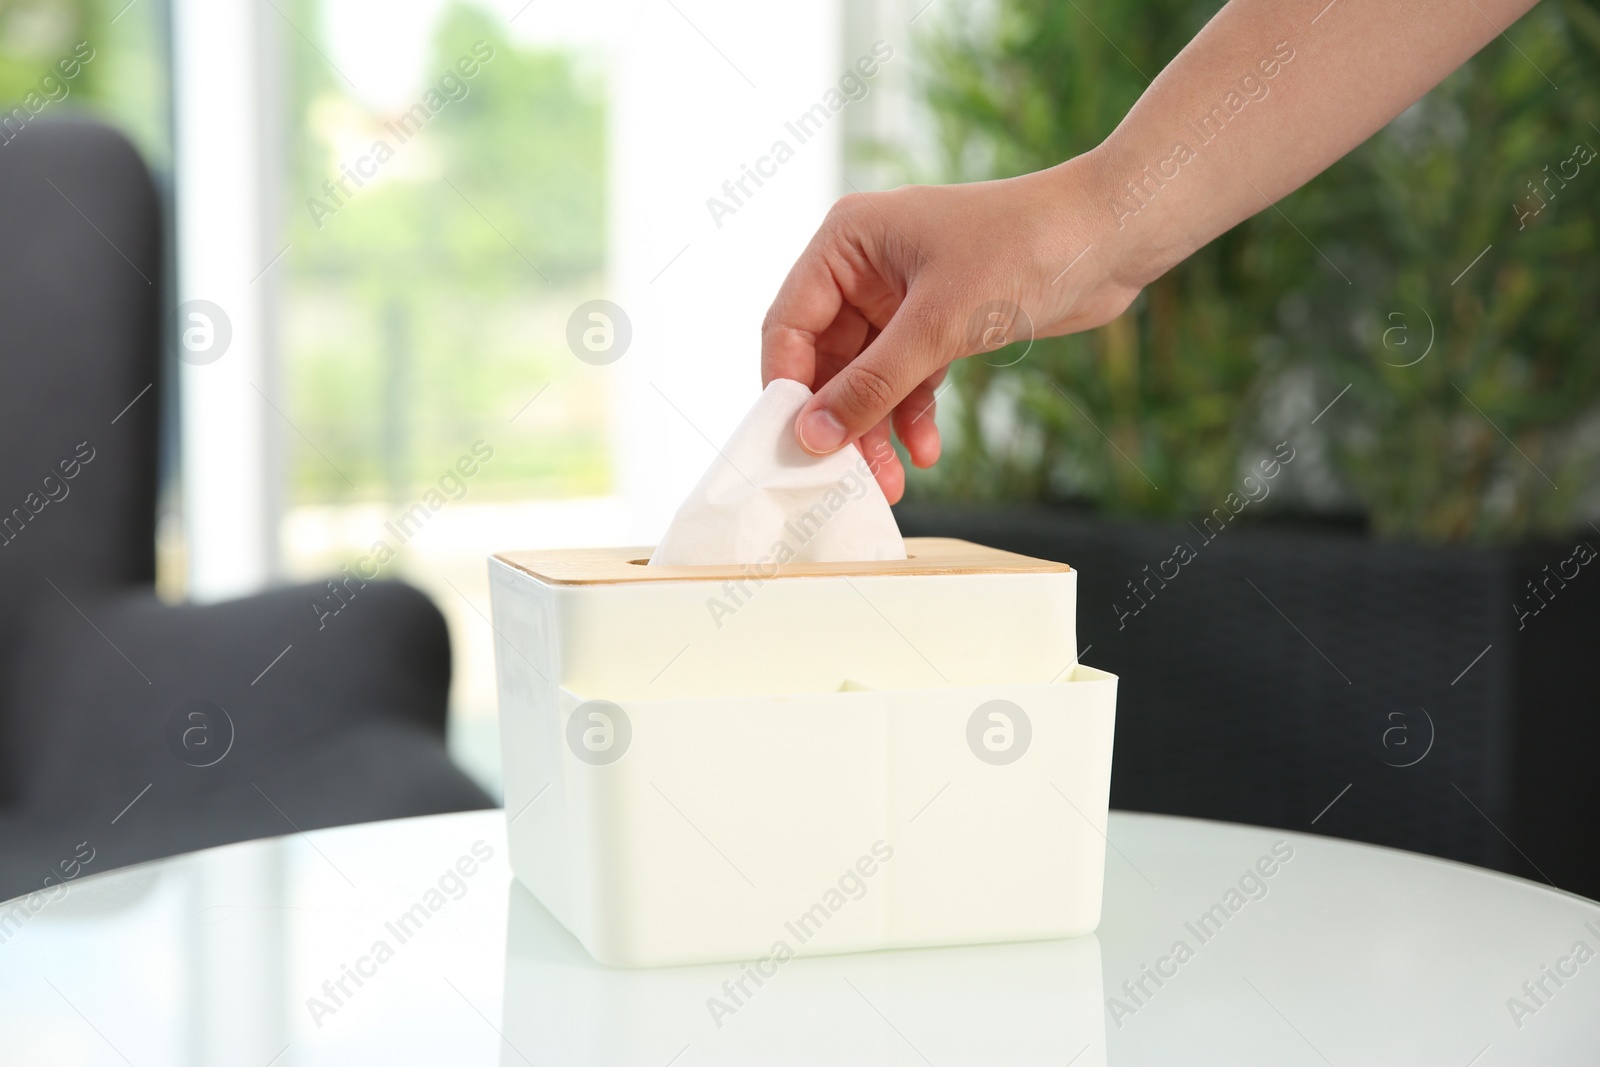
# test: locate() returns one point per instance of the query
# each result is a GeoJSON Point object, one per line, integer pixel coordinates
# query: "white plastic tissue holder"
{"type": "Point", "coordinates": [707, 764]}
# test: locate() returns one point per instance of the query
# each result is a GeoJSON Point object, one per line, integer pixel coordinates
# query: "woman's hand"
{"type": "Point", "coordinates": [896, 285]}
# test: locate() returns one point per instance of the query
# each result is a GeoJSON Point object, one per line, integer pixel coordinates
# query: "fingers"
{"type": "Point", "coordinates": [841, 342]}
{"type": "Point", "coordinates": [823, 330]}
{"type": "Point", "coordinates": [914, 421]}
{"type": "Point", "coordinates": [911, 348]}
{"type": "Point", "coordinates": [844, 271]}
{"type": "Point", "coordinates": [883, 462]}
{"type": "Point", "coordinates": [806, 306]}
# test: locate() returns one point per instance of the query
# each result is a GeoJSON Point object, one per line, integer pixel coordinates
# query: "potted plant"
{"type": "Point", "coordinates": [1328, 483]}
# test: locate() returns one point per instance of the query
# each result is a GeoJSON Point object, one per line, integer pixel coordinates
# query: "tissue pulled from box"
{"type": "Point", "coordinates": [765, 500]}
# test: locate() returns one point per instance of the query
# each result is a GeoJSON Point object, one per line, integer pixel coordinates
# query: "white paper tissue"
{"type": "Point", "coordinates": [765, 500]}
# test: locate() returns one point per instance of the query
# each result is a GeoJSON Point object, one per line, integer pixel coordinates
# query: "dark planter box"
{"type": "Point", "coordinates": [1277, 666]}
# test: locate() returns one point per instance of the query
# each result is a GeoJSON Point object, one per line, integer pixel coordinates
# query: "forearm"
{"type": "Point", "coordinates": [1263, 99]}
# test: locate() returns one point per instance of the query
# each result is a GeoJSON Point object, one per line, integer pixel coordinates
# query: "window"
{"type": "Point", "coordinates": [444, 206]}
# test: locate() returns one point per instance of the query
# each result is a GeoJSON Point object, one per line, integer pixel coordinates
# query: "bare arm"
{"type": "Point", "coordinates": [1266, 96]}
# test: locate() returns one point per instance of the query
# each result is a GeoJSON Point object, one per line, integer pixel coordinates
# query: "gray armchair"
{"type": "Point", "coordinates": [129, 728]}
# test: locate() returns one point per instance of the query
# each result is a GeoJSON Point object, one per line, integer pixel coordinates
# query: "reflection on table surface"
{"type": "Point", "coordinates": [1038, 1002]}
{"type": "Point", "coordinates": [408, 942]}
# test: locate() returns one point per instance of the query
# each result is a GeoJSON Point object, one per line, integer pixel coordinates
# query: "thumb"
{"type": "Point", "coordinates": [914, 344]}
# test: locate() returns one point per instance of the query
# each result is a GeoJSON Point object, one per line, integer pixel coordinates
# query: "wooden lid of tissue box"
{"type": "Point", "coordinates": [926, 555]}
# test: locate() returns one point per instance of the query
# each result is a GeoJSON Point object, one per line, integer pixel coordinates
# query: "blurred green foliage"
{"type": "Point", "coordinates": [1244, 344]}
{"type": "Point", "coordinates": [126, 81]}
{"type": "Point", "coordinates": [431, 304]}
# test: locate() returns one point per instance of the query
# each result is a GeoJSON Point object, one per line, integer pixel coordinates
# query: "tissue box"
{"type": "Point", "coordinates": [753, 763]}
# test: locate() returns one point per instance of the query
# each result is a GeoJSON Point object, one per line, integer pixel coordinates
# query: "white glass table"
{"type": "Point", "coordinates": [408, 942]}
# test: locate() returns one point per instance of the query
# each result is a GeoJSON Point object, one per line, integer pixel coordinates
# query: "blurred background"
{"type": "Point", "coordinates": [401, 248]}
